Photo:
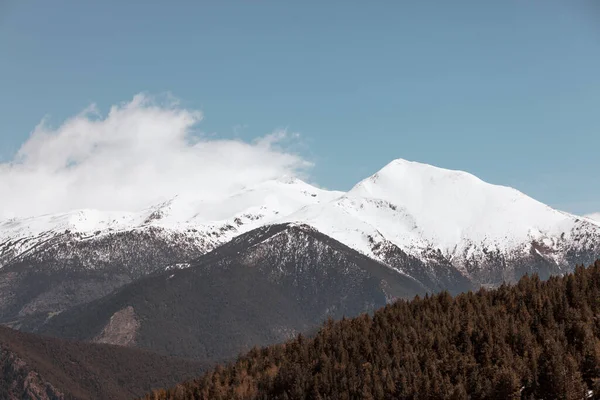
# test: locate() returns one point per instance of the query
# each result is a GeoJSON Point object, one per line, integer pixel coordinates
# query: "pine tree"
{"type": "Point", "coordinates": [507, 385]}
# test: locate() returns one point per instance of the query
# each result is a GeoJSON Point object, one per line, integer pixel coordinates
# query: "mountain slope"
{"type": "Point", "coordinates": [37, 367]}
{"type": "Point", "coordinates": [263, 287]}
{"type": "Point", "coordinates": [533, 340]}
{"type": "Point", "coordinates": [54, 262]}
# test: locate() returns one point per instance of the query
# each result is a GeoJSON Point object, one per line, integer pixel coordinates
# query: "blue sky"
{"type": "Point", "coordinates": [507, 90]}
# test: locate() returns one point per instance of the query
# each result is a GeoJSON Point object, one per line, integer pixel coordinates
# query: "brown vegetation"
{"type": "Point", "coordinates": [533, 340]}
{"type": "Point", "coordinates": [38, 367]}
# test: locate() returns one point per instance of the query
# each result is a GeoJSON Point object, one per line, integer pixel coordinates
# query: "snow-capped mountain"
{"type": "Point", "coordinates": [53, 262]}
{"type": "Point", "coordinates": [426, 210]}
{"type": "Point", "coordinates": [204, 223]}
{"type": "Point", "coordinates": [443, 228]}
{"type": "Point", "coordinates": [216, 308]}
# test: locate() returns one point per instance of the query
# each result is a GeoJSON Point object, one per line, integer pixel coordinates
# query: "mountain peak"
{"type": "Point", "coordinates": [451, 207]}
{"type": "Point", "coordinates": [402, 169]}
{"type": "Point", "coordinates": [288, 180]}
{"type": "Point", "coordinates": [418, 183]}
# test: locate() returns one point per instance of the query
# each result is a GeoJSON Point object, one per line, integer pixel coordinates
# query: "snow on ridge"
{"type": "Point", "coordinates": [451, 207]}
{"type": "Point", "coordinates": [84, 220]}
{"type": "Point", "coordinates": [251, 207]}
{"type": "Point", "coordinates": [412, 205]}
{"type": "Point", "coordinates": [418, 207]}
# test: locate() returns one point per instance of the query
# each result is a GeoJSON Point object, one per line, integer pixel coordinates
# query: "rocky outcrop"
{"type": "Point", "coordinates": [122, 328]}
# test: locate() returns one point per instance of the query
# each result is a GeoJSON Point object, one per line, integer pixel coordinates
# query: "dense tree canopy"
{"type": "Point", "coordinates": [533, 340]}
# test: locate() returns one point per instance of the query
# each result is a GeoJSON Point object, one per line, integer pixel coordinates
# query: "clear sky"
{"type": "Point", "coordinates": [507, 90]}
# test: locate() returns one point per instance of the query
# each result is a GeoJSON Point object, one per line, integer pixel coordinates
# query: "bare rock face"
{"type": "Point", "coordinates": [121, 330]}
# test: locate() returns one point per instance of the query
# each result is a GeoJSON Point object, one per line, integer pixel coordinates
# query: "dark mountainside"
{"type": "Point", "coordinates": [42, 368]}
{"type": "Point", "coordinates": [69, 269]}
{"type": "Point", "coordinates": [263, 287]}
{"type": "Point", "coordinates": [534, 340]}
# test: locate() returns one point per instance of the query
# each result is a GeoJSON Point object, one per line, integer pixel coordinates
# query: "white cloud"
{"type": "Point", "coordinates": [139, 153]}
{"type": "Point", "coordinates": [594, 216]}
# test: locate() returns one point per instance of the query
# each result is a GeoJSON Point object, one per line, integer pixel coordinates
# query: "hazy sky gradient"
{"type": "Point", "coordinates": [508, 90]}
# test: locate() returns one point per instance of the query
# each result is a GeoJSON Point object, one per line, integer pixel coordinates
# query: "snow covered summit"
{"type": "Point", "coordinates": [451, 208]}
{"type": "Point", "coordinates": [422, 209]}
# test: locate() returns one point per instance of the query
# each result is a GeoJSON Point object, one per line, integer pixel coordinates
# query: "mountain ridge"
{"type": "Point", "coordinates": [403, 178]}
{"type": "Point", "coordinates": [217, 306]}
{"type": "Point", "coordinates": [440, 227]}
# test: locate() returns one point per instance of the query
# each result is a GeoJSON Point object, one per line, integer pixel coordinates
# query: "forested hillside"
{"type": "Point", "coordinates": [34, 367]}
{"type": "Point", "coordinates": [534, 340]}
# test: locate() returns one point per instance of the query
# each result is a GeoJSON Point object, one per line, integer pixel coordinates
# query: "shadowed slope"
{"type": "Point", "coordinates": [38, 367]}
{"type": "Point", "coordinates": [263, 287]}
